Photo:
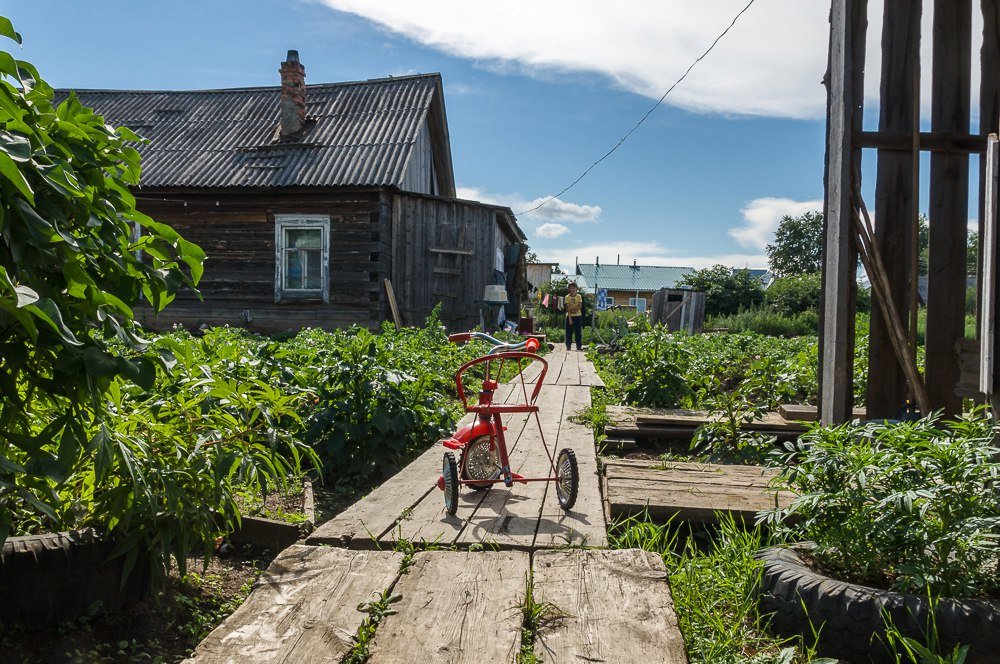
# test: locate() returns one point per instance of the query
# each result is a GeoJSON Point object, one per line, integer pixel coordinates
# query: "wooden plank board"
{"type": "Point", "coordinates": [456, 607]}
{"type": "Point", "coordinates": [693, 495]}
{"type": "Point", "coordinates": [622, 465]}
{"type": "Point", "coordinates": [589, 375]}
{"type": "Point", "coordinates": [806, 413]}
{"type": "Point", "coordinates": [695, 418]}
{"type": "Point", "coordinates": [689, 502]}
{"type": "Point", "coordinates": [570, 373]}
{"type": "Point", "coordinates": [585, 522]}
{"type": "Point", "coordinates": [615, 607]}
{"type": "Point", "coordinates": [302, 609]}
{"type": "Point", "coordinates": [509, 518]}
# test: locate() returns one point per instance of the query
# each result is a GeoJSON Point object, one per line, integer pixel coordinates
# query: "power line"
{"type": "Point", "coordinates": [648, 113]}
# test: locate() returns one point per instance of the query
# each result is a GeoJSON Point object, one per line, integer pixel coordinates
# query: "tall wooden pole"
{"type": "Point", "coordinates": [845, 103]}
{"type": "Point", "coordinates": [949, 203]}
{"type": "Point", "coordinates": [887, 388]}
{"type": "Point", "coordinates": [989, 104]}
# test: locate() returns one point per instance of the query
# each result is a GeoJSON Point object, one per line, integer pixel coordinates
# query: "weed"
{"type": "Point", "coordinates": [535, 616]}
{"type": "Point", "coordinates": [376, 611]}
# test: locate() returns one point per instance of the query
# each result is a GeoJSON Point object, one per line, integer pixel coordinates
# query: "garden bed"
{"type": "Point", "coordinates": [165, 627]}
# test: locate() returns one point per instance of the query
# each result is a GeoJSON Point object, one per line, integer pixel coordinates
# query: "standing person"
{"type": "Point", "coordinates": [574, 317]}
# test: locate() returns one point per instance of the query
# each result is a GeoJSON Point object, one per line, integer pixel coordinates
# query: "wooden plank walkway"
{"type": "Point", "coordinates": [303, 608]}
{"type": "Point", "coordinates": [692, 491]}
{"type": "Point", "coordinates": [524, 517]}
{"type": "Point", "coordinates": [459, 606]}
{"type": "Point", "coordinates": [609, 606]}
{"type": "Point", "coordinates": [456, 606]}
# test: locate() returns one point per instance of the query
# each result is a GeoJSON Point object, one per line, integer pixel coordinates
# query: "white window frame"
{"type": "Point", "coordinates": [609, 301]}
{"type": "Point", "coordinates": [634, 302]}
{"type": "Point", "coordinates": [301, 221]}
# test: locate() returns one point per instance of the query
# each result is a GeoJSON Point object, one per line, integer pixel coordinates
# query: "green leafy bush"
{"type": "Point", "coordinates": [726, 290]}
{"type": "Point", "coordinates": [663, 369]}
{"type": "Point", "coordinates": [795, 294]}
{"type": "Point", "coordinates": [69, 278]}
{"type": "Point", "coordinates": [910, 506]}
{"type": "Point", "coordinates": [766, 321]}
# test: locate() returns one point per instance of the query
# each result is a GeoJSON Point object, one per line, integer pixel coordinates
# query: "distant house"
{"type": "Point", "coordinates": [635, 285]}
{"type": "Point", "coordinates": [307, 198]}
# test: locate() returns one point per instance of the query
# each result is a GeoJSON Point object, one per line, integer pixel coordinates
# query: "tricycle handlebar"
{"type": "Point", "coordinates": [498, 346]}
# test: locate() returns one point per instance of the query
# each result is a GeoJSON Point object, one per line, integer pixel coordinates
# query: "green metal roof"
{"type": "Point", "coordinates": [628, 277]}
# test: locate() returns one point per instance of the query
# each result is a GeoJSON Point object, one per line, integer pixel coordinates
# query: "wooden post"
{"type": "Point", "coordinates": [949, 203]}
{"type": "Point", "coordinates": [845, 81]}
{"type": "Point", "coordinates": [887, 388]}
{"type": "Point", "coordinates": [396, 317]}
{"type": "Point", "coordinates": [989, 111]}
{"type": "Point", "coordinates": [988, 248]}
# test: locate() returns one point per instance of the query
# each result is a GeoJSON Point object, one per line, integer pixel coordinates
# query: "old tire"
{"type": "Point", "coordinates": [49, 579]}
{"type": "Point", "coordinates": [851, 615]}
{"type": "Point", "coordinates": [449, 471]}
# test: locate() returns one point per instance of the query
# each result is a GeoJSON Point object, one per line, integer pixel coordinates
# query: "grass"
{"type": "Point", "coordinates": [535, 617]}
{"type": "Point", "coordinates": [714, 582]}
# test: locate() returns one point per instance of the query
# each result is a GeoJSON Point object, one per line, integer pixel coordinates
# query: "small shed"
{"type": "Point", "coordinates": [679, 309]}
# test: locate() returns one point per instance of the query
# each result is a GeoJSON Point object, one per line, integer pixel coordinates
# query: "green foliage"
{"type": "Point", "coordinates": [911, 506]}
{"type": "Point", "coordinates": [725, 439]}
{"type": "Point", "coordinates": [371, 414]}
{"type": "Point", "coordinates": [69, 278]}
{"type": "Point", "coordinates": [798, 245]}
{"type": "Point", "coordinates": [714, 586]}
{"type": "Point", "coordinates": [795, 293]}
{"type": "Point", "coordinates": [726, 290]}
{"type": "Point", "coordinates": [663, 369]}
{"type": "Point", "coordinates": [765, 320]}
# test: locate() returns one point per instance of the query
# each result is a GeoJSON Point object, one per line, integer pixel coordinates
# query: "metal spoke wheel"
{"type": "Point", "coordinates": [568, 482]}
{"type": "Point", "coordinates": [449, 471]}
{"type": "Point", "coordinates": [480, 461]}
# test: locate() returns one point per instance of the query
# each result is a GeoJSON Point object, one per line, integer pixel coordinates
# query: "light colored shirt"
{"type": "Point", "coordinates": [574, 305]}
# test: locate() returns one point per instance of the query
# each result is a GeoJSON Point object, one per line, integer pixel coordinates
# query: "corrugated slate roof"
{"type": "Point", "coordinates": [627, 277]}
{"type": "Point", "coordinates": [361, 133]}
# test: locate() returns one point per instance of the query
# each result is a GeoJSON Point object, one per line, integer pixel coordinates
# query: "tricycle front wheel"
{"type": "Point", "coordinates": [449, 471]}
{"type": "Point", "coordinates": [567, 478]}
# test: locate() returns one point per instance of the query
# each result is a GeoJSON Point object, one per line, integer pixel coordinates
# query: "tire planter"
{"type": "Point", "coordinates": [851, 615]}
{"type": "Point", "coordinates": [49, 579]}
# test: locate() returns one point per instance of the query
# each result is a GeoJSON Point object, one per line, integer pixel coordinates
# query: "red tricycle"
{"type": "Point", "coordinates": [481, 445]}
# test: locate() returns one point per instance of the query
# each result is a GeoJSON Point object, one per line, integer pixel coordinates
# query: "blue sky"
{"type": "Point", "coordinates": [535, 92]}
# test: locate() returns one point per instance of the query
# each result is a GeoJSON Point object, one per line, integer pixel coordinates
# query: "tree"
{"type": "Point", "coordinates": [69, 279]}
{"type": "Point", "coordinates": [726, 290]}
{"type": "Point", "coordinates": [798, 245]}
{"type": "Point", "coordinates": [795, 294]}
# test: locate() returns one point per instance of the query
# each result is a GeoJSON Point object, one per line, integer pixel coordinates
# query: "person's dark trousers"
{"type": "Point", "coordinates": [574, 329]}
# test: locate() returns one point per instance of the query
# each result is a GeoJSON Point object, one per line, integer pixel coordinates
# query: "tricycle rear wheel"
{"type": "Point", "coordinates": [568, 478]}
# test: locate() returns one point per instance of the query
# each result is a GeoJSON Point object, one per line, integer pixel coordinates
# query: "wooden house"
{"type": "Point", "coordinates": [306, 199]}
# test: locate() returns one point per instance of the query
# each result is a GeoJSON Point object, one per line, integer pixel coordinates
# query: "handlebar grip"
{"type": "Point", "coordinates": [460, 337]}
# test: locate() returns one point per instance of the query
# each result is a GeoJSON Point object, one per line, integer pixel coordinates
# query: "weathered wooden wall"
{"type": "Point", "coordinates": [420, 174]}
{"type": "Point", "coordinates": [443, 251]}
{"type": "Point", "coordinates": [236, 231]}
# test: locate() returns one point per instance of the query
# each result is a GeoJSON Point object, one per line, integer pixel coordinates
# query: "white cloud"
{"type": "Point", "coordinates": [771, 63]}
{"type": "Point", "coordinates": [556, 210]}
{"type": "Point", "coordinates": [550, 230]}
{"type": "Point", "coordinates": [645, 253]}
{"type": "Point", "coordinates": [761, 217]}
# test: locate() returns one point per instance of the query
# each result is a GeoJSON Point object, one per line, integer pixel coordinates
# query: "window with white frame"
{"type": "Point", "coordinates": [610, 301]}
{"type": "Point", "coordinates": [638, 302]}
{"type": "Point", "coordinates": [302, 257]}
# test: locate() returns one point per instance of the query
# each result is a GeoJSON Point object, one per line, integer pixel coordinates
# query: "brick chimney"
{"type": "Point", "coordinates": [293, 96]}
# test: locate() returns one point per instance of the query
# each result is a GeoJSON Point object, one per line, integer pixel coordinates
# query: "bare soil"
{"type": "Point", "coordinates": [162, 628]}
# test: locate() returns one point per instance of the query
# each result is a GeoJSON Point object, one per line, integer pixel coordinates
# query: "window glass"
{"type": "Point", "coordinates": [303, 259]}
